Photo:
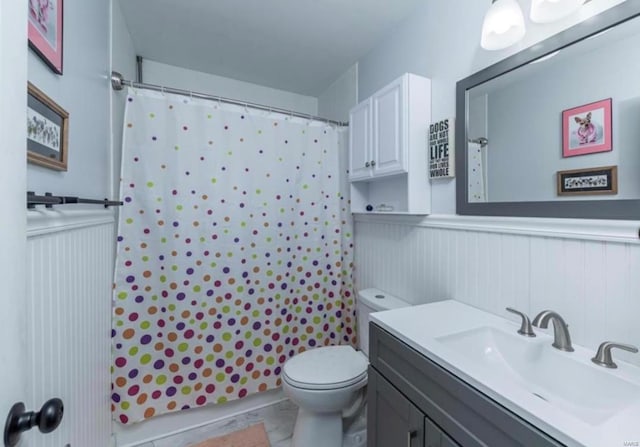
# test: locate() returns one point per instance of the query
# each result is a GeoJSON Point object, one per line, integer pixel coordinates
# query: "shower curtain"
{"type": "Point", "coordinates": [477, 173]}
{"type": "Point", "coordinates": [234, 252]}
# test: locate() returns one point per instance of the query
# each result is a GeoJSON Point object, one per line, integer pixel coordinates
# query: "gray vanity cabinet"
{"type": "Point", "coordinates": [434, 437]}
{"type": "Point", "coordinates": [414, 402]}
{"type": "Point", "coordinates": [394, 421]}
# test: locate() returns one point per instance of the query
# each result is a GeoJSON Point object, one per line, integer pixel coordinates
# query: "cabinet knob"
{"type": "Point", "coordinates": [373, 163]}
{"type": "Point", "coordinates": [410, 435]}
{"type": "Point", "coordinates": [367, 164]}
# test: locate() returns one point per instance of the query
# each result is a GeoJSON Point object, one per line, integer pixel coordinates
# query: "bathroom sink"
{"type": "Point", "coordinates": [503, 353]}
{"type": "Point", "coordinates": [562, 393]}
{"type": "Point", "coordinates": [564, 380]}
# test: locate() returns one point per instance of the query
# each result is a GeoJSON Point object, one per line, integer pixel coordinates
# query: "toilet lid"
{"type": "Point", "coordinates": [326, 367]}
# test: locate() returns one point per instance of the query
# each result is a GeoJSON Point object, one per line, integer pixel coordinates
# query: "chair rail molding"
{"type": "Point", "coordinates": [42, 221]}
{"type": "Point", "coordinates": [622, 231]}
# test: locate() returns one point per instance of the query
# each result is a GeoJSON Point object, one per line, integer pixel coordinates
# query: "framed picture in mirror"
{"type": "Point", "coordinates": [587, 129]}
{"type": "Point", "coordinates": [600, 180]}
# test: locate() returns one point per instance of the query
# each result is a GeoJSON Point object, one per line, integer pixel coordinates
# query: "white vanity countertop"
{"type": "Point", "coordinates": [421, 326]}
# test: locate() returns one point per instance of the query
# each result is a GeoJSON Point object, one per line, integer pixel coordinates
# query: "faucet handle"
{"type": "Point", "coordinates": [603, 356]}
{"type": "Point", "coordinates": [525, 326]}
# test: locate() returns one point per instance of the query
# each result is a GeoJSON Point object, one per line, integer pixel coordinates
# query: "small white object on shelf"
{"type": "Point", "coordinates": [384, 208]}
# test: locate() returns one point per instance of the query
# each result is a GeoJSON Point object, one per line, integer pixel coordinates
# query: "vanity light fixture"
{"type": "Point", "coordinates": [503, 25]}
{"type": "Point", "coordinates": [546, 11]}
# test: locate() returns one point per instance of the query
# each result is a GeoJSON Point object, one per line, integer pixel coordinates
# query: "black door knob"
{"type": "Point", "coordinates": [19, 420]}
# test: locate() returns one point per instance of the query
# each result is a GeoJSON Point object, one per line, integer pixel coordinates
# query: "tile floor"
{"type": "Point", "coordinates": [278, 420]}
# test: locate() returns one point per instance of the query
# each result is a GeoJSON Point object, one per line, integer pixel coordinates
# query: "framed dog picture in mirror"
{"type": "Point", "coordinates": [587, 129]}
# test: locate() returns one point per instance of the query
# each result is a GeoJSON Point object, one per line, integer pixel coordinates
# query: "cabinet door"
{"type": "Point", "coordinates": [434, 437]}
{"type": "Point", "coordinates": [360, 141]}
{"type": "Point", "coordinates": [392, 420]}
{"type": "Point", "coordinates": [388, 155]}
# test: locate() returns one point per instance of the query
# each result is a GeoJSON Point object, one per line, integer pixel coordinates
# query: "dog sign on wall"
{"type": "Point", "coordinates": [441, 149]}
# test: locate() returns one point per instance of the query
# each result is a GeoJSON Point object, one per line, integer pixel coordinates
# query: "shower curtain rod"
{"type": "Point", "coordinates": [118, 83]}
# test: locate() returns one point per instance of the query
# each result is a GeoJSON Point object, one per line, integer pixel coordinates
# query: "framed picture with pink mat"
{"type": "Point", "coordinates": [253, 436]}
{"type": "Point", "coordinates": [587, 129]}
{"type": "Point", "coordinates": [45, 31]}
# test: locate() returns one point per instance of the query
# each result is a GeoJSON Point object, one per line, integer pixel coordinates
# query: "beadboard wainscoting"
{"type": "Point", "coordinates": [594, 285]}
{"type": "Point", "coordinates": [69, 277]}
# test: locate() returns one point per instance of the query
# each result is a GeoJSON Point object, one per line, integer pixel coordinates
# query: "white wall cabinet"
{"type": "Point", "coordinates": [359, 141]}
{"type": "Point", "coordinates": [388, 147]}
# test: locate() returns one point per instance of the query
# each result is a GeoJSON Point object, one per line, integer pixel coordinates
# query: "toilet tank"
{"type": "Point", "coordinates": [373, 300]}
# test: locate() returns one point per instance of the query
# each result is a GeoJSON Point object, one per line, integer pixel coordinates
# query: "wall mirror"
{"type": "Point", "coordinates": [554, 131]}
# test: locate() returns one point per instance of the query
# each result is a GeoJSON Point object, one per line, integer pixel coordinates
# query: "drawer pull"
{"type": "Point", "coordinates": [410, 435]}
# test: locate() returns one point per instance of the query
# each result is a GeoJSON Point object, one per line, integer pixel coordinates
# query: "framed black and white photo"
{"type": "Point", "coordinates": [47, 131]}
{"type": "Point", "coordinates": [600, 180]}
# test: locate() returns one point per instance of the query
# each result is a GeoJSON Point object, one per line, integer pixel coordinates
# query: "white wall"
{"type": "Point", "coordinates": [123, 60]}
{"type": "Point", "coordinates": [13, 129]}
{"type": "Point", "coordinates": [171, 76]}
{"type": "Point", "coordinates": [83, 91]}
{"type": "Point", "coordinates": [336, 101]}
{"type": "Point", "coordinates": [69, 277]}
{"type": "Point", "coordinates": [592, 284]}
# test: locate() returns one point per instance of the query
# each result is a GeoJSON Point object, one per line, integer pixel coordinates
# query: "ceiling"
{"type": "Point", "coordinates": [300, 46]}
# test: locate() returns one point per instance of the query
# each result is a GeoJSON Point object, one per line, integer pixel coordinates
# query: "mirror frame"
{"type": "Point", "coordinates": [589, 209]}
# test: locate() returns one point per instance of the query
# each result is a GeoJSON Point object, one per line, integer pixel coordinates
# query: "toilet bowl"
{"type": "Point", "coordinates": [330, 381]}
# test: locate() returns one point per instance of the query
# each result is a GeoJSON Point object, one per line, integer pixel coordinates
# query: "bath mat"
{"type": "Point", "coordinates": [254, 436]}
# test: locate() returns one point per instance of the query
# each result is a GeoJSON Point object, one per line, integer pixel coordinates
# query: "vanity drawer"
{"type": "Point", "coordinates": [465, 414]}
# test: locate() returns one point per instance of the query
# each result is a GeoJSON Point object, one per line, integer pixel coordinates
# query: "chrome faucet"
{"type": "Point", "coordinates": [561, 337]}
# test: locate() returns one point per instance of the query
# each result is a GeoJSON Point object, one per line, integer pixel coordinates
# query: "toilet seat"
{"type": "Point", "coordinates": [326, 368]}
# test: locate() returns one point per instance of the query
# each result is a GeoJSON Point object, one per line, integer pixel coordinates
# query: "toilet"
{"type": "Point", "coordinates": [328, 383]}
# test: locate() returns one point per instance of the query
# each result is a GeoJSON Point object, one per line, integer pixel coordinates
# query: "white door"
{"type": "Point", "coordinates": [360, 141]}
{"type": "Point", "coordinates": [388, 155]}
{"type": "Point", "coordinates": [13, 100]}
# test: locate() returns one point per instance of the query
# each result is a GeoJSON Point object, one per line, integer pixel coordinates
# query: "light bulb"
{"type": "Point", "coordinates": [503, 25]}
{"type": "Point", "coordinates": [545, 11]}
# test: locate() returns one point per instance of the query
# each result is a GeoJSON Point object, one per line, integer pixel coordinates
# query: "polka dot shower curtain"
{"type": "Point", "coordinates": [234, 252]}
